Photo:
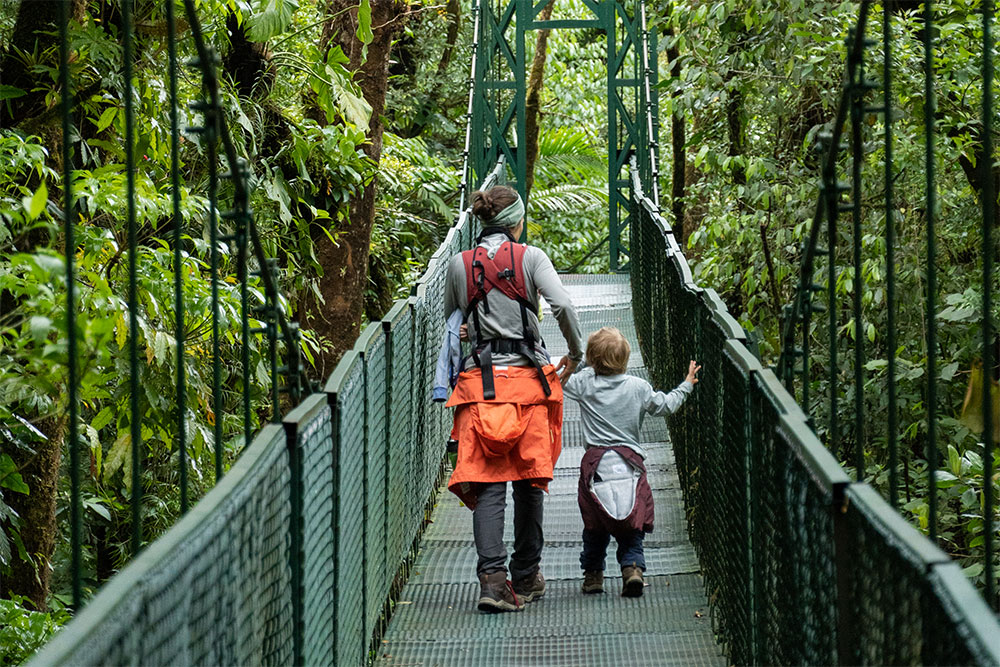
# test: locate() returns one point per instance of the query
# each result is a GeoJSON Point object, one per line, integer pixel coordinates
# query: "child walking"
{"type": "Point", "coordinates": [614, 495]}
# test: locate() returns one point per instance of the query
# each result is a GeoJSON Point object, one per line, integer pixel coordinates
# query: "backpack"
{"type": "Point", "coordinates": [504, 272]}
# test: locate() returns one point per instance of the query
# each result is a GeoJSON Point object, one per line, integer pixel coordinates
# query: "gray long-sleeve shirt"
{"type": "Point", "coordinates": [504, 319]}
{"type": "Point", "coordinates": [612, 406]}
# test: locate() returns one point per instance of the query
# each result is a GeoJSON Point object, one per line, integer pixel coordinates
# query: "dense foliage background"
{"type": "Point", "coordinates": [745, 89]}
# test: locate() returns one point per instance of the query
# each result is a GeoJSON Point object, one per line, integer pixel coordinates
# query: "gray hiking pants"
{"type": "Point", "coordinates": [488, 524]}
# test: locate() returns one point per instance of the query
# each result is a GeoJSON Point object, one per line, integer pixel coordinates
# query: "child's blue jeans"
{"type": "Point", "coordinates": [595, 549]}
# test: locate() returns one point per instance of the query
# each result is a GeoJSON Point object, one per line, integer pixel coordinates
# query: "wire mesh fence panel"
{"type": "Point", "coordinates": [349, 517]}
{"type": "Point", "coordinates": [214, 589]}
{"type": "Point", "coordinates": [314, 442]}
{"type": "Point", "coordinates": [958, 628]}
{"type": "Point", "coordinates": [718, 521]}
{"type": "Point", "coordinates": [901, 610]}
{"type": "Point", "coordinates": [704, 453]}
{"type": "Point", "coordinates": [682, 305]}
{"type": "Point", "coordinates": [431, 423]}
{"type": "Point", "coordinates": [726, 552]}
{"type": "Point", "coordinates": [376, 575]}
{"type": "Point", "coordinates": [418, 407]}
{"type": "Point", "coordinates": [438, 418]}
{"type": "Point", "coordinates": [793, 540]}
{"type": "Point", "coordinates": [399, 327]}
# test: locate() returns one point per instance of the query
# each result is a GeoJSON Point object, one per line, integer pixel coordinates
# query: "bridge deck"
{"type": "Point", "coordinates": [436, 622]}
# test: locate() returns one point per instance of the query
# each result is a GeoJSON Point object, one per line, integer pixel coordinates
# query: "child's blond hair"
{"type": "Point", "coordinates": [608, 351]}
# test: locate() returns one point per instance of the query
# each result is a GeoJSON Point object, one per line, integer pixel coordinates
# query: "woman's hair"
{"type": "Point", "coordinates": [608, 351]}
{"type": "Point", "coordinates": [487, 203]}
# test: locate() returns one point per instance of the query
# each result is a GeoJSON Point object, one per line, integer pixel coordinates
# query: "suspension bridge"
{"type": "Point", "coordinates": [330, 541]}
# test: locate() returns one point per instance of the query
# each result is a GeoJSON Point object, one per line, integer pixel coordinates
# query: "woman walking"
{"type": "Point", "coordinates": [508, 399]}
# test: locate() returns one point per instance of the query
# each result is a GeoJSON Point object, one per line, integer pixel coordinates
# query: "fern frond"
{"type": "Point", "coordinates": [567, 198]}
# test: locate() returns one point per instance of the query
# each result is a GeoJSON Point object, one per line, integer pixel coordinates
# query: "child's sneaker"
{"type": "Point", "coordinates": [530, 588]}
{"type": "Point", "coordinates": [497, 594]}
{"type": "Point", "coordinates": [593, 582]}
{"type": "Point", "coordinates": [632, 582]}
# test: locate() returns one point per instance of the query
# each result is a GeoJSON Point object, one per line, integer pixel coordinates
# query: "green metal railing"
{"type": "Point", "coordinates": [853, 110]}
{"type": "Point", "coordinates": [802, 565]}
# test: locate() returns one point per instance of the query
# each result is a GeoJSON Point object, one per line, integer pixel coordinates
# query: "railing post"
{"type": "Point", "coordinates": [295, 529]}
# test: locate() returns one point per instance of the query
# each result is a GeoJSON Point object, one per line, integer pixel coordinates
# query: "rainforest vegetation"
{"type": "Point", "coordinates": [351, 118]}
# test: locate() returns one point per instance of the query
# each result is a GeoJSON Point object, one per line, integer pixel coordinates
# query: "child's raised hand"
{"type": "Point", "coordinates": [692, 375]}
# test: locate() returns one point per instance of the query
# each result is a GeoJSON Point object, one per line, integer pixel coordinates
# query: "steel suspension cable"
{"type": "Point", "coordinates": [211, 136]}
{"type": "Point", "coordinates": [76, 548]}
{"type": "Point", "coordinates": [135, 423]}
{"type": "Point", "coordinates": [989, 217]}
{"type": "Point", "coordinates": [857, 157]}
{"type": "Point", "coordinates": [890, 256]}
{"type": "Point", "coordinates": [175, 181]}
{"type": "Point", "coordinates": [930, 108]}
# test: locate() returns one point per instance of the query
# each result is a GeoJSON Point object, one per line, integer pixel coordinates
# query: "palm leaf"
{"type": "Point", "coordinates": [566, 155]}
{"type": "Point", "coordinates": [567, 198]}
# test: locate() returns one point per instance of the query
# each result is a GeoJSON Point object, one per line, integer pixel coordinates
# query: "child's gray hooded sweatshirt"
{"type": "Point", "coordinates": [612, 406]}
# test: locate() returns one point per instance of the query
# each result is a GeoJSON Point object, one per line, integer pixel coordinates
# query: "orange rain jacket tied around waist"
{"type": "Point", "coordinates": [515, 436]}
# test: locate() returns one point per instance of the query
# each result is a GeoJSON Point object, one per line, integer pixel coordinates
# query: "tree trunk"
{"type": "Point", "coordinates": [736, 130]}
{"type": "Point", "coordinates": [36, 19]}
{"type": "Point", "coordinates": [678, 143]}
{"type": "Point", "coordinates": [338, 318]}
{"type": "Point", "coordinates": [249, 64]}
{"type": "Point", "coordinates": [532, 104]}
{"type": "Point", "coordinates": [40, 471]}
{"type": "Point", "coordinates": [432, 103]}
{"type": "Point", "coordinates": [972, 167]}
{"type": "Point", "coordinates": [36, 22]}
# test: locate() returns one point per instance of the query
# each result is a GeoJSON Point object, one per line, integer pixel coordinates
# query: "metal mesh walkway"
{"type": "Point", "coordinates": [436, 622]}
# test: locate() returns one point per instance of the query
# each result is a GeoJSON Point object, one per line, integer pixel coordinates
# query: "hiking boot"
{"type": "Point", "coordinates": [530, 587]}
{"type": "Point", "coordinates": [632, 582]}
{"type": "Point", "coordinates": [593, 581]}
{"type": "Point", "coordinates": [496, 594]}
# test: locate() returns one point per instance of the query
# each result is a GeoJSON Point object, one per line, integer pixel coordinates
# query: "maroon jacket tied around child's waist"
{"type": "Point", "coordinates": [594, 515]}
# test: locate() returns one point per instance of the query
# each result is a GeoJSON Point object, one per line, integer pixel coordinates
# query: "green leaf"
{"type": "Point", "coordinates": [973, 570]}
{"type": "Point", "coordinates": [954, 460]}
{"type": "Point", "coordinates": [945, 479]}
{"type": "Point", "coordinates": [10, 92]}
{"type": "Point", "coordinates": [36, 204]}
{"type": "Point", "coordinates": [700, 157]}
{"type": "Point", "coordinates": [4, 548]}
{"type": "Point", "coordinates": [270, 20]}
{"type": "Point", "coordinates": [117, 455]}
{"type": "Point", "coordinates": [9, 476]}
{"type": "Point", "coordinates": [956, 314]}
{"type": "Point", "coordinates": [103, 418]}
{"type": "Point", "coordinates": [948, 371]}
{"type": "Point", "coordinates": [40, 327]}
{"type": "Point", "coordinates": [106, 118]}
{"type": "Point", "coordinates": [98, 508]}
{"type": "Point", "coordinates": [356, 109]}
{"type": "Point", "coordinates": [364, 32]}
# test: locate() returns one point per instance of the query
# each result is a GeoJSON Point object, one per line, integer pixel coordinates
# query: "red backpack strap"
{"type": "Point", "coordinates": [471, 289]}
{"type": "Point", "coordinates": [504, 271]}
{"type": "Point", "coordinates": [513, 253]}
